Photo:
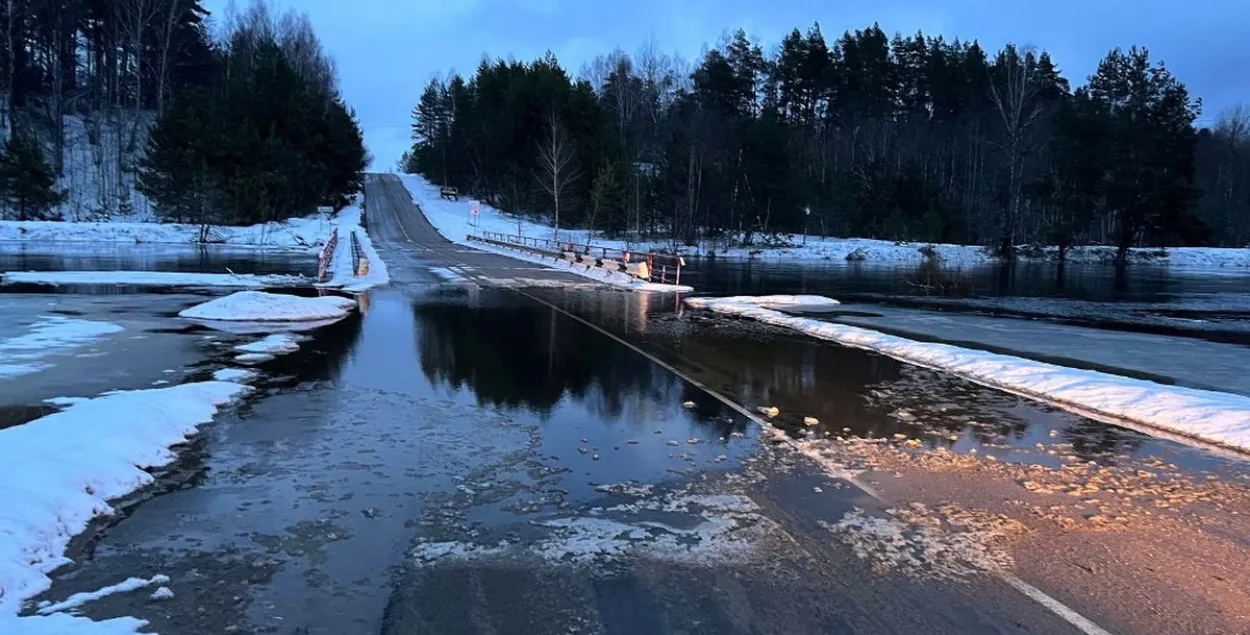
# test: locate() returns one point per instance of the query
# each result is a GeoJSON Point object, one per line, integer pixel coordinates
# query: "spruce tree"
{"type": "Point", "coordinates": [27, 182]}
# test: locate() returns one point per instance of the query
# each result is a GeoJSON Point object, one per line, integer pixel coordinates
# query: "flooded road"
{"type": "Point", "coordinates": [461, 458]}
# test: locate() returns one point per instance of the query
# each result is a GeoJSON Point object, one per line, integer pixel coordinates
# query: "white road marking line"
{"type": "Point", "coordinates": [1058, 608]}
{"type": "Point", "coordinates": [1055, 606]}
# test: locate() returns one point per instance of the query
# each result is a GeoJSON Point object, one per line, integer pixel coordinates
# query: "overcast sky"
{"type": "Point", "coordinates": [386, 50]}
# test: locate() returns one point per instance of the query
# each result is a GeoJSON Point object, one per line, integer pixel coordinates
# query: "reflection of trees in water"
{"type": "Point", "coordinates": [530, 357]}
{"type": "Point", "coordinates": [1093, 440]}
{"type": "Point", "coordinates": [805, 377]}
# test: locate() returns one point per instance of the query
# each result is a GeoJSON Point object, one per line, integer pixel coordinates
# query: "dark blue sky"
{"type": "Point", "coordinates": [386, 50]}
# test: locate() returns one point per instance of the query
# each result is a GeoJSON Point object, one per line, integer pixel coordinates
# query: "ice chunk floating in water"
{"type": "Point", "coordinates": [258, 306]}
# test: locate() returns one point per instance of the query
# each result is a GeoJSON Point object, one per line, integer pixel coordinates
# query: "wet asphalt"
{"type": "Point", "coordinates": [481, 422]}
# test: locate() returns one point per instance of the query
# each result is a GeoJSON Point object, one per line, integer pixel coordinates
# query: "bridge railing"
{"type": "Point", "coordinates": [653, 267]}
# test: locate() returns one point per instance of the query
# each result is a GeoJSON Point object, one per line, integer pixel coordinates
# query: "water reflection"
{"type": "Point", "coordinates": [519, 354]}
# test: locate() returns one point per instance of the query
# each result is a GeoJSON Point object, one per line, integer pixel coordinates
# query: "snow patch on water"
{"type": "Point", "coordinates": [258, 306]}
{"type": "Point", "coordinates": [152, 279]}
{"type": "Point", "coordinates": [53, 334]}
{"type": "Point", "coordinates": [236, 375]}
{"type": "Point", "coordinates": [78, 599]}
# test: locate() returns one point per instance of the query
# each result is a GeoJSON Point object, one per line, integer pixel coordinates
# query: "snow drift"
{"type": "Point", "coordinates": [1215, 417]}
{"type": "Point", "coordinates": [59, 472]}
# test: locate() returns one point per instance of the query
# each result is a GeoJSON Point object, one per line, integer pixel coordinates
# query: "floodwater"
{"type": "Point", "coordinates": [1097, 283]}
{"type": "Point", "coordinates": [858, 393]}
{"type": "Point", "coordinates": [149, 257]}
{"type": "Point", "coordinates": [152, 348]}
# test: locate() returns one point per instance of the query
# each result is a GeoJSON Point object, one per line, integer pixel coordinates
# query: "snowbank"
{"type": "Point", "coordinates": [1220, 418]}
{"type": "Point", "coordinates": [296, 233]}
{"type": "Point", "coordinates": [52, 334]}
{"type": "Point", "coordinates": [258, 306]}
{"type": "Point", "coordinates": [152, 278]}
{"type": "Point", "coordinates": [783, 301]}
{"type": "Point", "coordinates": [58, 472]}
{"type": "Point", "coordinates": [450, 218]}
{"type": "Point", "coordinates": [343, 276]}
{"type": "Point", "coordinates": [62, 624]}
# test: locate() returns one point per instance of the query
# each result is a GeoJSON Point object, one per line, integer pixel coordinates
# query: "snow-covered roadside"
{"type": "Point", "coordinates": [296, 233]}
{"type": "Point", "coordinates": [1214, 417]}
{"type": "Point", "coordinates": [343, 276]}
{"type": "Point", "coordinates": [59, 472]}
{"type": "Point", "coordinates": [153, 279]}
{"type": "Point", "coordinates": [450, 218]}
{"type": "Point", "coordinates": [52, 334]}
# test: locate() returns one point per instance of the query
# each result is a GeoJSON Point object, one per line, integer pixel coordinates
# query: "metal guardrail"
{"type": "Point", "coordinates": [360, 262]}
{"type": "Point", "coordinates": [327, 256]}
{"type": "Point", "coordinates": [653, 267]}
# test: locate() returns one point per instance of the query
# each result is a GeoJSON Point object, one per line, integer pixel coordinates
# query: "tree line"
{"type": "Point", "coordinates": [109, 105]}
{"type": "Point", "coordinates": [900, 138]}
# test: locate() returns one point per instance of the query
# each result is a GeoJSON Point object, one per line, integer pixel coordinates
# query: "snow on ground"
{"type": "Point", "coordinates": [296, 233]}
{"type": "Point", "coordinates": [152, 278]}
{"type": "Point", "coordinates": [451, 219]}
{"type": "Point", "coordinates": [59, 472]}
{"type": "Point", "coordinates": [78, 599]}
{"type": "Point", "coordinates": [258, 306]}
{"type": "Point", "coordinates": [62, 624]}
{"type": "Point", "coordinates": [21, 355]}
{"type": "Point", "coordinates": [341, 268]}
{"type": "Point", "coordinates": [1214, 417]}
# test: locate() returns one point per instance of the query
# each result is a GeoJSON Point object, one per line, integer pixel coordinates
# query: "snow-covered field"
{"type": "Point", "coordinates": [59, 472]}
{"type": "Point", "coordinates": [52, 334]}
{"type": "Point", "coordinates": [1214, 417]}
{"type": "Point", "coordinates": [452, 220]}
{"type": "Point", "coordinates": [152, 279]}
{"type": "Point", "coordinates": [258, 306]}
{"type": "Point", "coordinates": [296, 233]}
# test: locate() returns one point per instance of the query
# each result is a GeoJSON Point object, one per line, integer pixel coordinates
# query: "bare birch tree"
{"type": "Point", "coordinates": [557, 166]}
{"type": "Point", "coordinates": [1014, 95]}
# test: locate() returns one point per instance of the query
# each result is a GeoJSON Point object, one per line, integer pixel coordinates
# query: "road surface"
{"type": "Point", "coordinates": [471, 458]}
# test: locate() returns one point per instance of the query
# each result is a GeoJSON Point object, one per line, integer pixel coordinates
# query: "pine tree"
{"type": "Point", "coordinates": [27, 182]}
{"type": "Point", "coordinates": [1150, 166]}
